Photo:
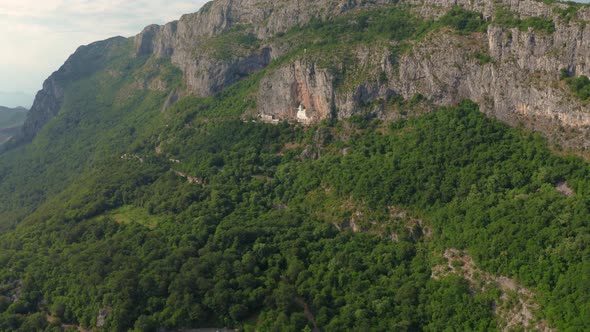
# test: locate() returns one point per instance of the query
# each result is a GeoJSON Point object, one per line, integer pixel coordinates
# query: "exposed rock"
{"type": "Point", "coordinates": [519, 86]}
{"type": "Point", "coordinates": [144, 42]}
{"type": "Point", "coordinates": [47, 103]}
{"type": "Point", "coordinates": [17, 290]}
{"type": "Point", "coordinates": [353, 224]}
{"type": "Point", "coordinates": [268, 17]}
{"type": "Point", "coordinates": [299, 91]}
{"type": "Point", "coordinates": [171, 99]}
{"type": "Point", "coordinates": [182, 40]}
{"type": "Point", "coordinates": [102, 316]}
{"type": "Point", "coordinates": [512, 87]}
{"type": "Point", "coordinates": [205, 75]}
{"type": "Point", "coordinates": [564, 188]}
{"type": "Point", "coordinates": [264, 17]}
{"type": "Point", "coordinates": [190, 179]}
{"type": "Point", "coordinates": [517, 304]}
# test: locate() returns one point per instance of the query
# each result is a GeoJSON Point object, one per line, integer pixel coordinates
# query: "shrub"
{"type": "Point", "coordinates": [464, 20]}
{"type": "Point", "coordinates": [505, 18]}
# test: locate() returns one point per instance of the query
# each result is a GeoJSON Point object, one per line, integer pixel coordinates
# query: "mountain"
{"type": "Point", "coordinates": [10, 121]}
{"type": "Point", "coordinates": [10, 117]}
{"type": "Point", "coordinates": [16, 99]}
{"type": "Point", "coordinates": [308, 165]}
{"type": "Point", "coordinates": [501, 67]}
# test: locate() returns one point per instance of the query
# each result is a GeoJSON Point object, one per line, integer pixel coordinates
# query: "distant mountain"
{"type": "Point", "coordinates": [14, 99]}
{"type": "Point", "coordinates": [11, 119]}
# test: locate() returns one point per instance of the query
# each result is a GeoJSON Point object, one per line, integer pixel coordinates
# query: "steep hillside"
{"type": "Point", "coordinates": [308, 165]}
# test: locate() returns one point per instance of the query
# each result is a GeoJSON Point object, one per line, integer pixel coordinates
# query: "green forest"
{"type": "Point", "coordinates": [255, 243]}
{"type": "Point", "coordinates": [122, 216]}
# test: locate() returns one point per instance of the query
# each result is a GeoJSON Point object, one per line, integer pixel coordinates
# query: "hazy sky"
{"type": "Point", "coordinates": [37, 36]}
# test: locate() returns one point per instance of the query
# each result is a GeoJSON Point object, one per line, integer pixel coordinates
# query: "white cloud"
{"type": "Point", "coordinates": [38, 36]}
{"type": "Point", "coordinates": [20, 8]}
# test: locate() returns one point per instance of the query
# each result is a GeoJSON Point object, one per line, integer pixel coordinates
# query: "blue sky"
{"type": "Point", "coordinates": [37, 36]}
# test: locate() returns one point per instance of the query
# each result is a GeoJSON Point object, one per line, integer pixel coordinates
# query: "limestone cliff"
{"type": "Point", "coordinates": [519, 85]}
{"type": "Point", "coordinates": [297, 91]}
{"type": "Point", "coordinates": [183, 41]}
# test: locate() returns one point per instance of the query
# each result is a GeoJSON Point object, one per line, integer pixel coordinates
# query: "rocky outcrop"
{"type": "Point", "coordinates": [268, 17]}
{"type": "Point", "coordinates": [522, 8]}
{"type": "Point", "coordinates": [441, 68]}
{"type": "Point", "coordinates": [444, 67]}
{"type": "Point", "coordinates": [263, 17]}
{"type": "Point", "coordinates": [103, 314]}
{"type": "Point", "coordinates": [47, 103]}
{"type": "Point", "coordinates": [183, 40]}
{"type": "Point", "coordinates": [299, 91]}
{"type": "Point", "coordinates": [519, 85]}
{"type": "Point", "coordinates": [206, 75]}
{"type": "Point", "coordinates": [517, 80]}
{"type": "Point", "coordinates": [83, 63]}
{"type": "Point", "coordinates": [515, 306]}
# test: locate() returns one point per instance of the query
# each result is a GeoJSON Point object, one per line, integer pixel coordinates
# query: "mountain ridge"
{"type": "Point", "coordinates": [17, 108]}
{"type": "Point", "coordinates": [16, 99]}
{"type": "Point", "coordinates": [506, 96]}
{"type": "Point", "coordinates": [326, 172]}
{"type": "Point", "coordinates": [11, 119]}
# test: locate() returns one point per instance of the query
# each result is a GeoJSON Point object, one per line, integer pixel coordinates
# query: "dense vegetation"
{"type": "Point", "coordinates": [256, 244]}
{"type": "Point", "coordinates": [99, 119]}
{"type": "Point", "coordinates": [464, 20]}
{"type": "Point", "coordinates": [194, 217]}
{"type": "Point", "coordinates": [506, 18]}
{"type": "Point", "coordinates": [580, 86]}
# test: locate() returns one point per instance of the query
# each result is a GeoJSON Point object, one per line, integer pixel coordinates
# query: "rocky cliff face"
{"type": "Point", "coordinates": [523, 8]}
{"type": "Point", "coordinates": [264, 17]}
{"type": "Point", "coordinates": [183, 40]}
{"type": "Point", "coordinates": [441, 68]}
{"type": "Point", "coordinates": [84, 62]}
{"type": "Point", "coordinates": [297, 91]}
{"type": "Point", "coordinates": [519, 85]}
